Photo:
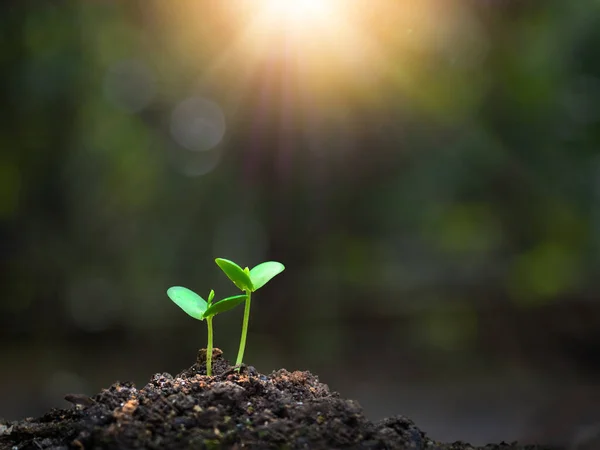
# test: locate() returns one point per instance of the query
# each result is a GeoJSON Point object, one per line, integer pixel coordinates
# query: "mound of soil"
{"type": "Point", "coordinates": [283, 410]}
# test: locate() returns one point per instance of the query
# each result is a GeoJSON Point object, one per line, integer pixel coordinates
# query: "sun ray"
{"type": "Point", "coordinates": [332, 55]}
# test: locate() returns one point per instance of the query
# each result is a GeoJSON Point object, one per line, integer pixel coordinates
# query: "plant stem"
{"type": "Point", "coordinates": [209, 347]}
{"type": "Point", "coordinates": [240, 355]}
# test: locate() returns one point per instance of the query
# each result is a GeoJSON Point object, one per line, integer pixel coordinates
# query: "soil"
{"type": "Point", "coordinates": [231, 409]}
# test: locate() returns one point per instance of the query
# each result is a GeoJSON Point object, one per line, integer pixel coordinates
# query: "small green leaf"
{"type": "Point", "coordinates": [261, 274]}
{"type": "Point", "coordinates": [224, 305]}
{"type": "Point", "coordinates": [189, 301]}
{"type": "Point", "coordinates": [211, 296]}
{"type": "Point", "coordinates": [235, 273]}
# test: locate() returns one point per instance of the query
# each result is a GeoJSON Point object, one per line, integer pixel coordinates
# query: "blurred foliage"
{"type": "Point", "coordinates": [445, 159]}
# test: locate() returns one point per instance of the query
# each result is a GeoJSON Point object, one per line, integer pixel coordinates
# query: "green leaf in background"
{"type": "Point", "coordinates": [224, 305]}
{"type": "Point", "coordinates": [189, 301]}
{"type": "Point", "coordinates": [262, 274]}
{"type": "Point", "coordinates": [235, 273]}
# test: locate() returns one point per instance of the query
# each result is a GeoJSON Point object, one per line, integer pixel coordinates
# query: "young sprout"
{"type": "Point", "coordinates": [248, 281]}
{"type": "Point", "coordinates": [200, 309]}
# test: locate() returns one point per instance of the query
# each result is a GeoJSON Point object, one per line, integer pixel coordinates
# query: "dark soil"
{"type": "Point", "coordinates": [284, 410]}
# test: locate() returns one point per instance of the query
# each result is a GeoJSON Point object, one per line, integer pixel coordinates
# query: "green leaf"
{"type": "Point", "coordinates": [211, 296]}
{"type": "Point", "coordinates": [235, 273]}
{"type": "Point", "coordinates": [262, 274]}
{"type": "Point", "coordinates": [189, 301]}
{"type": "Point", "coordinates": [224, 305]}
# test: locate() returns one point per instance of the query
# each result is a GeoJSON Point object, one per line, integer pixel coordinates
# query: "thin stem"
{"type": "Point", "coordinates": [209, 347]}
{"type": "Point", "coordinates": [240, 355]}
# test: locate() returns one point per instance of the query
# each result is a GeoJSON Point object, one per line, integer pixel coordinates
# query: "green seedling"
{"type": "Point", "coordinates": [248, 281]}
{"type": "Point", "coordinates": [200, 309]}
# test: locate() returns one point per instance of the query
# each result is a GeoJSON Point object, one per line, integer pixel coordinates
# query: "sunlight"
{"type": "Point", "coordinates": [295, 18]}
{"type": "Point", "coordinates": [327, 50]}
{"type": "Point", "coordinates": [325, 47]}
{"type": "Point", "coordinates": [312, 27]}
{"type": "Point", "coordinates": [300, 13]}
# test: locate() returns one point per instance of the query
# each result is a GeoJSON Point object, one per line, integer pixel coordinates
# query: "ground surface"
{"type": "Point", "coordinates": [290, 410]}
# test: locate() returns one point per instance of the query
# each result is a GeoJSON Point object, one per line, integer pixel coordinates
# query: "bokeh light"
{"type": "Point", "coordinates": [197, 124]}
{"type": "Point", "coordinates": [193, 164]}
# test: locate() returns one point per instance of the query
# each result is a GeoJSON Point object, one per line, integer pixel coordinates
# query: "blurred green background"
{"type": "Point", "coordinates": [428, 172]}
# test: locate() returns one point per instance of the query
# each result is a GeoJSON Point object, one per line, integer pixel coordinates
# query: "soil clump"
{"type": "Point", "coordinates": [231, 409]}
